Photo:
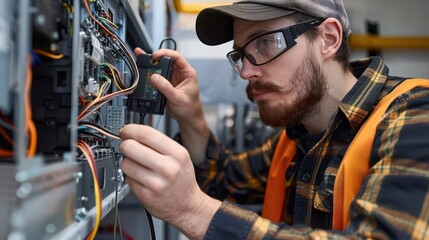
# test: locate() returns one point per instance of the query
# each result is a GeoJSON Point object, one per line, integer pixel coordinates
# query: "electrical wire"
{"type": "Point", "coordinates": [117, 218]}
{"type": "Point", "coordinates": [48, 54]}
{"type": "Point", "coordinates": [168, 39]}
{"type": "Point", "coordinates": [5, 153]}
{"type": "Point", "coordinates": [106, 24]}
{"type": "Point", "coordinates": [7, 125]}
{"type": "Point", "coordinates": [89, 156]}
{"type": "Point", "coordinates": [6, 136]}
{"type": "Point", "coordinates": [97, 103]}
{"type": "Point", "coordinates": [70, 9]}
{"type": "Point", "coordinates": [109, 22]}
{"type": "Point", "coordinates": [30, 126]}
{"type": "Point", "coordinates": [114, 72]}
{"type": "Point", "coordinates": [100, 129]}
{"type": "Point", "coordinates": [101, 97]}
{"type": "Point", "coordinates": [152, 229]}
{"type": "Point", "coordinates": [111, 32]}
{"type": "Point", "coordinates": [142, 118]}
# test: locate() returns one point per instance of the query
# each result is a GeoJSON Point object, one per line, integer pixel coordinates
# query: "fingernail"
{"type": "Point", "coordinates": [154, 77]}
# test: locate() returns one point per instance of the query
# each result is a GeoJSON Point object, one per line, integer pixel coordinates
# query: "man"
{"type": "Point", "coordinates": [294, 55]}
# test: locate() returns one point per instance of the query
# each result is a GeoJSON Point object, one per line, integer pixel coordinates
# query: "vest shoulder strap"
{"type": "Point", "coordinates": [355, 164]}
{"type": "Point", "coordinates": [275, 192]}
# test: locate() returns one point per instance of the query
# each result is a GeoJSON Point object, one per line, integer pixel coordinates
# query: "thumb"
{"type": "Point", "coordinates": [163, 85]}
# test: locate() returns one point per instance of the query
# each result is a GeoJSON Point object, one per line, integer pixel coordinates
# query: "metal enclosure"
{"type": "Point", "coordinates": [54, 59]}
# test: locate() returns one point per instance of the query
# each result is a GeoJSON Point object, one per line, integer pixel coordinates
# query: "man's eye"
{"type": "Point", "coordinates": [264, 42]}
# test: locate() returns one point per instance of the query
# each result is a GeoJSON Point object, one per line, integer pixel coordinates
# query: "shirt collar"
{"type": "Point", "coordinates": [372, 74]}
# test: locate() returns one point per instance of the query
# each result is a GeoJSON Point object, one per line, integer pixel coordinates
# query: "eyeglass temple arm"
{"type": "Point", "coordinates": [299, 29]}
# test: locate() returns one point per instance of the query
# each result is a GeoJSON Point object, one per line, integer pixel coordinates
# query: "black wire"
{"type": "Point", "coordinates": [142, 118]}
{"type": "Point", "coordinates": [126, 59]}
{"type": "Point", "coordinates": [168, 39]}
{"type": "Point", "coordinates": [152, 229]}
{"type": "Point", "coordinates": [117, 218]}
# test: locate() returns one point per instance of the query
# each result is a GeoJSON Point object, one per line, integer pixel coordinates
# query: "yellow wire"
{"type": "Point", "coordinates": [113, 74]}
{"type": "Point", "coordinates": [70, 9]}
{"type": "Point", "coordinates": [67, 7]}
{"type": "Point", "coordinates": [117, 85]}
{"type": "Point", "coordinates": [107, 20]}
{"type": "Point", "coordinates": [103, 89]}
{"type": "Point", "coordinates": [48, 54]}
{"type": "Point", "coordinates": [112, 69]}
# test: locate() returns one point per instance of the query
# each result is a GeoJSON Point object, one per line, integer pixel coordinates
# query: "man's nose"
{"type": "Point", "coordinates": [247, 69]}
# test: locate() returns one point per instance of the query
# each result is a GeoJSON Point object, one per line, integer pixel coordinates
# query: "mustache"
{"type": "Point", "coordinates": [259, 86]}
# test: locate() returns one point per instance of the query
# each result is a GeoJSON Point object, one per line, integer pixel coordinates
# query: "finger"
{"type": "Point", "coordinates": [143, 155]}
{"type": "Point", "coordinates": [141, 191]}
{"type": "Point", "coordinates": [138, 51]}
{"type": "Point", "coordinates": [164, 86]}
{"type": "Point", "coordinates": [151, 138]}
{"type": "Point", "coordinates": [143, 176]}
{"type": "Point", "coordinates": [179, 61]}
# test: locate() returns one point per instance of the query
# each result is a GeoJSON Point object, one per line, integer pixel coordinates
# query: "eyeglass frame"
{"type": "Point", "coordinates": [290, 33]}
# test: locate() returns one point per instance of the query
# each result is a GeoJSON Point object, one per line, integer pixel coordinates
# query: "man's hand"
{"type": "Point", "coordinates": [161, 174]}
{"type": "Point", "coordinates": [183, 102]}
{"type": "Point", "coordinates": [182, 92]}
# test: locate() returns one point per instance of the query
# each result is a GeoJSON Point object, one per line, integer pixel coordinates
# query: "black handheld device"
{"type": "Point", "coordinates": [146, 98]}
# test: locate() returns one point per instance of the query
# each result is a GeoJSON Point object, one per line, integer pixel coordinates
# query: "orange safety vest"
{"type": "Point", "coordinates": [350, 175]}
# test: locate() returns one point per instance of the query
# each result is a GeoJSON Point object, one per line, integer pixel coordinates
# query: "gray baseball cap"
{"type": "Point", "coordinates": [214, 25]}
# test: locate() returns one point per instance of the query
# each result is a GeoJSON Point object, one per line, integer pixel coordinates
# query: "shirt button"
{"type": "Point", "coordinates": [306, 177]}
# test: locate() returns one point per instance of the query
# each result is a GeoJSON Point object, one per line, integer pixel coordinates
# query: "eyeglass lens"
{"type": "Point", "coordinates": [266, 47]}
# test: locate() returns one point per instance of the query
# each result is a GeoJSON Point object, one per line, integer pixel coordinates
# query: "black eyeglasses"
{"type": "Point", "coordinates": [268, 46]}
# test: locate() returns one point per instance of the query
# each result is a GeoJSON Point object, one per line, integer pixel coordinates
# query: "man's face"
{"type": "Point", "coordinates": [288, 89]}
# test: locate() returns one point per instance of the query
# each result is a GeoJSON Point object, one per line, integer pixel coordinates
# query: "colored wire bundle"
{"type": "Point", "coordinates": [30, 127]}
{"type": "Point", "coordinates": [106, 27]}
{"type": "Point", "coordinates": [112, 72]}
{"type": "Point", "coordinates": [100, 129]}
{"type": "Point", "coordinates": [100, 101]}
{"type": "Point", "coordinates": [109, 73]}
{"type": "Point", "coordinates": [89, 156]}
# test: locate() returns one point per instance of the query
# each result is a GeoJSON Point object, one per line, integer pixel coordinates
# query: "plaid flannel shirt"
{"type": "Point", "coordinates": [393, 202]}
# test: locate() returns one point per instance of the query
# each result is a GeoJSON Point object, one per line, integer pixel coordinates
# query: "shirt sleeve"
{"type": "Point", "coordinates": [232, 221]}
{"type": "Point", "coordinates": [238, 177]}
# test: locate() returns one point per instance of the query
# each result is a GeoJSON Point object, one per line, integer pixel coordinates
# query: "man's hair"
{"type": "Point", "coordinates": [343, 53]}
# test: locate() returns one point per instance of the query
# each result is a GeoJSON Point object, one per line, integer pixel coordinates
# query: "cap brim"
{"type": "Point", "coordinates": [214, 25]}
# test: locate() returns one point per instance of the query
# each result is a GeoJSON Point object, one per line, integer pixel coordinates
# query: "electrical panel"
{"type": "Point", "coordinates": [67, 68]}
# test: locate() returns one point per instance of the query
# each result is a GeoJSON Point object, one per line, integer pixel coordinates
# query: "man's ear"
{"type": "Point", "coordinates": [332, 34]}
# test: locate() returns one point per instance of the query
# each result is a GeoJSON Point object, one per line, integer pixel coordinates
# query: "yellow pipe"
{"type": "Point", "coordinates": [373, 42]}
{"type": "Point", "coordinates": [195, 8]}
{"type": "Point", "coordinates": [357, 41]}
